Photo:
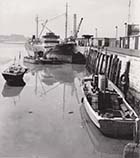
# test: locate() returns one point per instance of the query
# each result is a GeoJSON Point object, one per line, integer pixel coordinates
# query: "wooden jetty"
{"type": "Point", "coordinates": [96, 64]}
{"type": "Point", "coordinates": [122, 70]}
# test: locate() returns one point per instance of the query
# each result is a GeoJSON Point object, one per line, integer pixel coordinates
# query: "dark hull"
{"type": "Point", "coordinates": [14, 79]}
{"type": "Point", "coordinates": [67, 52]}
{"type": "Point", "coordinates": [64, 49]}
{"type": "Point", "coordinates": [117, 129]}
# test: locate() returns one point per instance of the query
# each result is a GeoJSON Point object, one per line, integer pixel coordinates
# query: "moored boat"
{"type": "Point", "coordinates": [31, 59]}
{"type": "Point", "coordinates": [107, 107]}
{"type": "Point", "coordinates": [50, 61]}
{"type": "Point", "coordinates": [14, 75]}
{"type": "Point", "coordinates": [38, 48]}
{"type": "Point", "coordinates": [49, 46]}
{"type": "Point", "coordinates": [67, 52]}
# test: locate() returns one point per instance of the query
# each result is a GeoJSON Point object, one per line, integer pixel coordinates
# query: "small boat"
{"type": "Point", "coordinates": [51, 61]}
{"type": "Point", "coordinates": [14, 74]}
{"type": "Point", "coordinates": [31, 59]}
{"type": "Point", "coordinates": [108, 108]}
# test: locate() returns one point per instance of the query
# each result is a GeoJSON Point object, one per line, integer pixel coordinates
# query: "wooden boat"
{"type": "Point", "coordinates": [14, 74]}
{"type": "Point", "coordinates": [107, 107]}
{"type": "Point", "coordinates": [31, 59]}
{"type": "Point", "coordinates": [50, 61]}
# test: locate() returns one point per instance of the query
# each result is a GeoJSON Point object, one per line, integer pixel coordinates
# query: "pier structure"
{"type": "Point", "coordinates": [122, 69]}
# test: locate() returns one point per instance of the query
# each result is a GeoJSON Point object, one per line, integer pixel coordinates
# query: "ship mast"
{"type": "Point", "coordinates": [36, 19]}
{"type": "Point", "coordinates": [129, 10]}
{"type": "Point", "coordinates": [66, 22]}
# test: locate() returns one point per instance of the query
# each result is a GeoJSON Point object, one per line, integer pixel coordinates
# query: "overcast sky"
{"type": "Point", "coordinates": [18, 16]}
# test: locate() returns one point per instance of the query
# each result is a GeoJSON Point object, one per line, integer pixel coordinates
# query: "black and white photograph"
{"type": "Point", "coordinates": [69, 79]}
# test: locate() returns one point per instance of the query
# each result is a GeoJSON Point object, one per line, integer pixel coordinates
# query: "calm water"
{"type": "Point", "coordinates": [45, 119]}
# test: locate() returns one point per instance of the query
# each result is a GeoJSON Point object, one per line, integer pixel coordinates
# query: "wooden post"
{"type": "Point", "coordinates": [112, 68]}
{"type": "Point", "coordinates": [98, 62]}
{"type": "Point", "coordinates": [118, 73]}
{"type": "Point", "coordinates": [115, 69]}
{"type": "Point", "coordinates": [109, 66]}
{"type": "Point", "coordinates": [97, 58]}
{"type": "Point", "coordinates": [101, 63]}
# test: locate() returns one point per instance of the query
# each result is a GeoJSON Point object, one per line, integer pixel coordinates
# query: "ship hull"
{"type": "Point", "coordinates": [67, 52]}
{"type": "Point", "coordinates": [109, 121]}
{"type": "Point", "coordinates": [14, 79]}
{"type": "Point", "coordinates": [111, 127]}
{"type": "Point", "coordinates": [31, 60]}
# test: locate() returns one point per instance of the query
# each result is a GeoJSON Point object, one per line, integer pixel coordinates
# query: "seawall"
{"type": "Point", "coordinates": [123, 57]}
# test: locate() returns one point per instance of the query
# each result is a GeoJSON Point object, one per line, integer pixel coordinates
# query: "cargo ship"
{"type": "Point", "coordinates": [37, 47]}
{"type": "Point", "coordinates": [65, 51]}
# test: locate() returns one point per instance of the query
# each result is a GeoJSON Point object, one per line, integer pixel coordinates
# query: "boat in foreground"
{"type": "Point", "coordinates": [107, 107]}
{"type": "Point", "coordinates": [14, 75]}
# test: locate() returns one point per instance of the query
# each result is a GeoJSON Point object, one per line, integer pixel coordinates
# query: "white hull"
{"type": "Point", "coordinates": [116, 126]}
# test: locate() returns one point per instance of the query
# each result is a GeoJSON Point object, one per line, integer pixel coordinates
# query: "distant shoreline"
{"type": "Point", "coordinates": [12, 42]}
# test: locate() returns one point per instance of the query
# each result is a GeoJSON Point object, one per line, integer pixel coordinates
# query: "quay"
{"type": "Point", "coordinates": [123, 61]}
{"type": "Point", "coordinates": [121, 66]}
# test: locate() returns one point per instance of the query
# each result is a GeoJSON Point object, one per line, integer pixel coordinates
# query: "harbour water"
{"type": "Point", "coordinates": [45, 118]}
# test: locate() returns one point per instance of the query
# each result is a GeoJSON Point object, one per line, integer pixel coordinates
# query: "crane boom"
{"type": "Point", "coordinates": [78, 28]}
{"type": "Point", "coordinates": [43, 27]}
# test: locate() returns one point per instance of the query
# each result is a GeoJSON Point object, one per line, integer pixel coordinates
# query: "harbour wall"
{"type": "Point", "coordinates": [128, 61]}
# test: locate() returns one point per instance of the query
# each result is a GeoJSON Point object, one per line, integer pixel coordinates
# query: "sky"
{"type": "Point", "coordinates": [18, 16]}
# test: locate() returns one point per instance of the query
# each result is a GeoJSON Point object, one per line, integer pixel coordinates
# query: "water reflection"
{"type": "Point", "coordinates": [51, 74]}
{"type": "Point", "coordinates": [55, 75]}
{"type": "Point", "coordinates": [9, 91]}
{"type": "Point", "coordinates": [13, 92]}
{"type": "Point", "coordinates": [104, 146]}
{"type": "Point", "coordinates": [63, 73]}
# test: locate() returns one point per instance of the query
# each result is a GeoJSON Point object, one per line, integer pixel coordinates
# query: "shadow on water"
{"type": "Point", "coordinates": [9, 91]}
{"type": "Point", "coordinates": [105, 146]}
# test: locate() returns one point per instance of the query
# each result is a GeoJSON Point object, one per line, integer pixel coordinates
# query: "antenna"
{"type": "Point", "coordinates": [66, 23]}
{"type": "Point", "coordinates": [36, 19]}
{"type": "Point", "coordinates": [96, 34]}
{"type": "Point", "coordinates": [129, 10]}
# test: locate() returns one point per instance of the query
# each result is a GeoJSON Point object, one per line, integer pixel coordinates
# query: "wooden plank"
{"type": "Point", "coordinates": [101, 63]}
{"type": "Point", "coordinates": [109, 66]}
{"type": "Point", "coordinates": [117, 77]}
{"type": "Point", "coordinates": [98, 62]}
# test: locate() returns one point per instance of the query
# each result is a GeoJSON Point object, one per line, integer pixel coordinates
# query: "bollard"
{"type": "Point", "coordinates": [132, 150]}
